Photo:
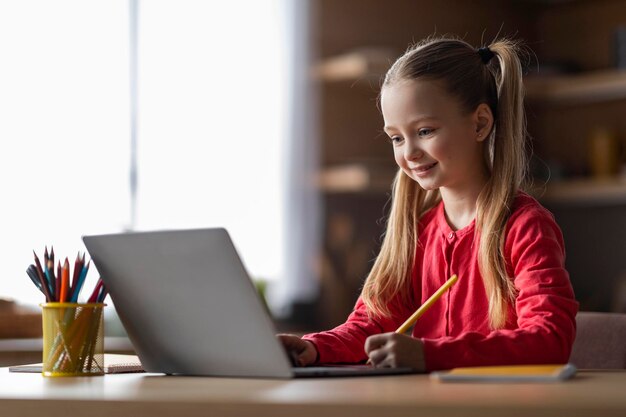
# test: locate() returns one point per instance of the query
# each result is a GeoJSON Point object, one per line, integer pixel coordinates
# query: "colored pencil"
{"type": "Point", "coordinates": [424, 307]}
{"type": "Point", "coordinates": [51, 279]}
{"type": "Point", "coordinates": [103, 294]}
{"type": "Point", "coordinates": [77, 269]}
{"type": "Point", "coordinates": [94, 295]}
{"type": "Point", "coordinates": [80, 282]}
{"type": "Point", "coordinates": [65, 281]}
{"type": "Point", "coordinates": [42, 278]}
{"type": "Point", "coordinates": [428, 304]}
{"type": "Point", "coordinates": [31, 271]}
{"type": "Point", "coordinates": [58, 281]}
{"type": "Point", "coordinates": [49, 274]}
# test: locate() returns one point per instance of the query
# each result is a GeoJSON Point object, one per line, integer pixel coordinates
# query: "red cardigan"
{"type": "Point", "coordinates": [455, 331]}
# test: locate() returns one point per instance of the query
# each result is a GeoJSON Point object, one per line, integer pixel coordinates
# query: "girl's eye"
{"type": "Point", "coordinates": [395, 139]}
{"type": "Point", "coordinates": [425, 132]}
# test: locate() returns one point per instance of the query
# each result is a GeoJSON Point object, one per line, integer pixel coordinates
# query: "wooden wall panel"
{"type": "Point", "coordinates": [562, 132]}
{"type": "Point", "coordinates": [352, 124]}
{"type": "Point", "coordinates": [580, 32]}
{"type": "Point", "coordinates": [346, 24]}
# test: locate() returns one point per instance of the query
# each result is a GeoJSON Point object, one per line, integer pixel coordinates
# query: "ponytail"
{"type": "Point", "coordinates": [507, 160]}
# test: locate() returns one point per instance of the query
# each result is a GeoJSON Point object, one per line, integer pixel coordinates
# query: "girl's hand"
{"type": "Point", "coordinates": [303, 352]}
{"type": "Point", "coordinates": [394, 350]}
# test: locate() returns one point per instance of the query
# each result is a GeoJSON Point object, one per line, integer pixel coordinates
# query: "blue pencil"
{"type": "Point", "coordinates": [32, 273]}
{"type": "Point", "coordinates": [79, 283]}
{"type": "Point", "coordinates": [102, 295]}
{"type": "Point", "coordinates": [51, 279]}
{"type": "Point", "coordinates": [46, 273]}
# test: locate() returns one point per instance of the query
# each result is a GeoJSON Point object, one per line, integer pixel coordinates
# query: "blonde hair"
{"type": "Point", "coordinates": [498, 83]}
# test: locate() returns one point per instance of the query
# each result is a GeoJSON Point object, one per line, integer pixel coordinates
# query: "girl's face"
{"type": "Point", "coordinates": [434, 142]}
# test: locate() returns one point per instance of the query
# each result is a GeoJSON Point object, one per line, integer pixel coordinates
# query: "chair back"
{"type": "Point", "coordinates": [600, 341]}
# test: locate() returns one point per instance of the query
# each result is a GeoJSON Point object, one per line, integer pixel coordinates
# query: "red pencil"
{"type": "Point", "coordinates": [96, 291]}
{"type": "Point", "coordinates": [77, 268]}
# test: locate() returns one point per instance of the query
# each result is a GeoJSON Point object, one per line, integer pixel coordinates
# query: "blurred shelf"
{"type": "Point", "coordinates": [588, 87]}
{"type": "Point", "coordinates": [584, 192]}
{"type": "Point", "coordinates": [370, 64]}
{"type": "Point", "coordinates": [19, 321]}
{"type": "Point", "coordinates": [356, 178]}
{"type": "Point", "coordinates": [367, 64]}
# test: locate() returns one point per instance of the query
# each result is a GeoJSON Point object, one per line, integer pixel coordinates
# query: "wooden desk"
{"type": "Point", "coordinates": [589, 394]}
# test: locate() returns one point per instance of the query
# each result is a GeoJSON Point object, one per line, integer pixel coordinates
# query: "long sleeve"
{"type": "Point", "coordinates": [544, 325]}
{"type": "Point", "coordinates": [346, 342]}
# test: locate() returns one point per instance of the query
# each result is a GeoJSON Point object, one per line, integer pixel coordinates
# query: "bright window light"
{"type": "Point", "coordinates": [210, 131]}
{"type": "Point", "coordinates": [212, 87]}
{"type": "Point", "coordinates": [64, 123]}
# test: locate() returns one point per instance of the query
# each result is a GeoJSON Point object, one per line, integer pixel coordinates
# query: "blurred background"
{"type": "Point", "coordinates": [260, 116]}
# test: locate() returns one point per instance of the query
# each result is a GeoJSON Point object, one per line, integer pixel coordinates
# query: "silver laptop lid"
{"type": "Point", "coordinates": [188, 304]}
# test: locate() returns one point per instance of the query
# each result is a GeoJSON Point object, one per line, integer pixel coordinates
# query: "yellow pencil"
{"type": "Point", "coordinates": [424, 307]}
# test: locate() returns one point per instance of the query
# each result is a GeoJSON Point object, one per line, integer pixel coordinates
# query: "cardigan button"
{"type": "Point", "coordinates": [451, 235]}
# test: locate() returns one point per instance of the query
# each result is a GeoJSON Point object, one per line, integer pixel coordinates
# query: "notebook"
{"type": "Point", "coordinates": [113, 364]}
{"type": "Point", "coordinates": [190, 308]}
{"type": "Point", "coordinates": [515, 373]}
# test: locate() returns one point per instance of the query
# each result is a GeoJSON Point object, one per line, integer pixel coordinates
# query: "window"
{"type": "Point", "coordinates": [211, 93]}
{"type": "Point", "coordinates": [211, 115]}
{"type": "Point", "coordinates": [64, 123]}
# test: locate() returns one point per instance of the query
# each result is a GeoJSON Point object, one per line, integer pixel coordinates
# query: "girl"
{"type": "Point", "coordinates": [455, 119]}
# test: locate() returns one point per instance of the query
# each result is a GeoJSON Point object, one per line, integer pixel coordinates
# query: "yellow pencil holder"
{"type": "Point", "coordinates": [73, 339]}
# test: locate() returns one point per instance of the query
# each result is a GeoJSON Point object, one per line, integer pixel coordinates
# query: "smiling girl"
{"type": "Point", "coordinates": [455, 119]}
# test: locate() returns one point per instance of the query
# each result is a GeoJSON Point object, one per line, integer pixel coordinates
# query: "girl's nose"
{"type": "Point", "coordinates": [412, 152]}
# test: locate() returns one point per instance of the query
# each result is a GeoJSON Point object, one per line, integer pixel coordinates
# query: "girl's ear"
{"type": "Point", "coordinates": [483, 119]}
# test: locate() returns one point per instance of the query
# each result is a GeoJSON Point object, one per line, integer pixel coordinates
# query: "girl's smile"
{"type": "Point", "coordinates": [423, 170]}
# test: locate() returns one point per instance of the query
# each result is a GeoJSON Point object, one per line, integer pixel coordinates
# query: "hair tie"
{"type": "Point", "coordinates": [485, 54]}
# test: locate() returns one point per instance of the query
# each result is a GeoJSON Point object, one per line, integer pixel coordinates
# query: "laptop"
{"type": "Point", "coordinates": [190, 308]}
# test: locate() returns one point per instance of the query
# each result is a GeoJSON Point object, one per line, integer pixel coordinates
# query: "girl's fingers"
{"type": "Point", "coordinates": [376, 342]}
{"type": "Point", "coordinates": [292, 342]}
{"type": "Point", "coordinates": [301, 352]}
{"type": "Point", "coordinates": [377, 356]}
{"type": "Point", "coordinates": [377, 348]}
